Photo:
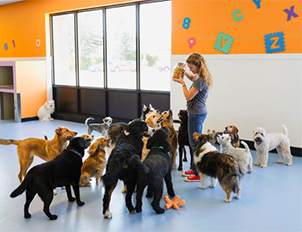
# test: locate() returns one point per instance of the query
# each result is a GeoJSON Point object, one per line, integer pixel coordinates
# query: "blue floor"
{"type": "Point", "coordinates": [271, 198]}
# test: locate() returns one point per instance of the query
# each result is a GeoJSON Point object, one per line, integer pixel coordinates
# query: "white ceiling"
{"type": "Point", "coordinates": [3, 2]}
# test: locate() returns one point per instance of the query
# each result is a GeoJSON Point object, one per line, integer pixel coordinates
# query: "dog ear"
{"type": "Point", "coordinates": [126, 132]}
{"type": "Point", "coordinates": [213, 132]}
{"type": "Point", "coordinates": [208, 131]}
{"type": "Point", "coordinates": [149, 143]}
{"type": "Point", "coordinates": [58, 130]}
{"type": "Point", "coordinates": [235, 130]}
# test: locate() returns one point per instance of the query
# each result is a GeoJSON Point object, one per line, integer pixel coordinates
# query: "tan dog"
{"type": "Point", "coordinates": [168, 122]}
{"type": "Point", "coordinates": [212, 137]}
{"type": "Point", "coordinates": [45, 149]}
{"type": "Point", "coordinates": [95, 164]}
{"type": "Point", "coordinates": [233, 132]}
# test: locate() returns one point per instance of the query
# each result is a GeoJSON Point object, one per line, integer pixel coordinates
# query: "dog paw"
{"type": "Point", "coordinates": [289, 164]}
{"type": "Point", "coordinates": [257, 163]}
{"type": "Point", "coordinates": [237, 196]}
{"type": "Point", "coordinates": [108, 214]}
{"type": "Point", "coordinates": [27, 215]}
{"type": "Point", "coordinates": [184, 160]}
{"type": "Point", "coordinates": [212, 186]}
{"type": "Point", "coordinates": [133, 211]}
{"type": "Point", "coordinates": [263, 165]}
{"type": "Point", "coordinates": [200, 186]}
{"type": "Point", "coordinates": [80, 203]}
{"type": "Point", "coordinates": [179, 169]}
{"type": "Point", "coordinates": [138, 209]}
{"type": "Point", "coordinates": [160, 210]}
{"type": "Point", "coordinates": [53, 217]}
{"type": "Point", "coordinates": [227, 200]}
{"type": "Point", "coordinates": [280, 161]}
{"type": "Point", "coordinates": [72, 199]}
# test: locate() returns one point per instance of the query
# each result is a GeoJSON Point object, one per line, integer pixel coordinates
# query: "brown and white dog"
{"type": "Point", "coordinates": [168, 122]}
{"type": "Point", "coordinates": [233, 132]}
{"type": "Point", "coordinates": [95, 164]}
{"type": "Point", "coordinates": [45, 149]}
{"type": "Point", "coordinates": [211, 163]}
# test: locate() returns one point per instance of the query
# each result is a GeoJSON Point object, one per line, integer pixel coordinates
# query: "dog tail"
{"type": "Point", "coordinates": [235, 182]}
{"type": "Point", "coordinates": [22, 187]}
{"type": "Point", "coordinates": [245, 146]}
{"type": "Point", "coordinates": [285, 130]}
{"type": "Point", "coordinates": [139, 166]}
{"type": "Point", "coordinates": [9, 141]}
{"type": "Point", "coordinates": [45, 136]}
{"type": "Point", "coordinates": [88, 121]}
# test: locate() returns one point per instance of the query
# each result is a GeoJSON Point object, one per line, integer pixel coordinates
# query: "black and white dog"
{"type": "Point", "coordinates": [147, 111]}
{"type": "Point", "coordinates": [125, 162]}
{"type": "Point", "coordinates": [158, 162]}
{"type": "Point", "coordinates": [100, 127]}
{"type": "Point", "coordinates": [211, 163]}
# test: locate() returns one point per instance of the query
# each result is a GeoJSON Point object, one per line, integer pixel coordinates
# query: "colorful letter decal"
{"type": "Point", "coordinates": [235, 15]}
{"type": "Point", "coordinates": [223, 43]}
{"type": "Point", "coordinates": [274, 42]}
{"type": "Point", "coordinates": [5, 46]}
{"type": "Point", "coordinates": [257, 2]}
{"type": "Point", "coordinates": [192, 42]}
{"type": "Point", "coordinates": [186, 23]}
{"type": "Point", "coordinates": [38, 43]}
{"type": "Point", "coordinates": [13, 43]}
{"type": "Point", "coordinates": [290, 13]}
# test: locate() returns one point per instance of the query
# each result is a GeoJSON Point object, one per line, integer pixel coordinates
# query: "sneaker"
{"type": "Point", "coordinates": [192, 178]}
{"type": "Point", "coordinates": [187, 173]}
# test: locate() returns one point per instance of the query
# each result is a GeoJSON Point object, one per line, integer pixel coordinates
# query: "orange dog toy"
{"type": "Point", "coordinates": [173, 203]}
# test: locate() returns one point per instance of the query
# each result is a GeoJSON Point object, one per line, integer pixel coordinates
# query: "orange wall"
{"type": "Point", "coordinates": [208, 18]}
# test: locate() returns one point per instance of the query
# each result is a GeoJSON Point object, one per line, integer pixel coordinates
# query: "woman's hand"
{"type": "Point", "coordinates": [179, 79]}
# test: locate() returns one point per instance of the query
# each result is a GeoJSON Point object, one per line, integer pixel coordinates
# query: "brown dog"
{"type": "Point", "coordinates": [233, 132]}
{"type": "Point", "coordinates": [168, 122]}
{"type": "Point", "coordinates": [45, 149]}
{"type": "Point", "coordinates": [95, 164]}
{"type": "Point", "coordinates": [212, 137]}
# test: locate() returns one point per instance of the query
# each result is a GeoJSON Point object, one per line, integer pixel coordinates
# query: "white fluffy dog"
{"type": "Point", "coordinates": [242, 155]}
{"type": "Point", "coordinates": [45, 110]}
{"type": "Point", "coordinates": [265, 142]}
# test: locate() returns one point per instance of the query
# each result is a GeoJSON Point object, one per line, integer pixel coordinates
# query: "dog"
{"type": "Point", "coordinates": [113, 133]}
{"type": "Point", "coordinates": [124, 163]}
{"type": "Point", "coordinates": [95, 164]}
{"type": "Point", "coordinates": [242, 155]}
{"type": "Point", "coordinates": [210, 162]}
{"type": "Point", "coordinates": [100, 127]}
{"type": "Point", "coordinates": [46, 110]}
{"type": "Point", "coordinates": [168, 122]}
{"type": "Point", "coordinates": [158, 162]}
{"type": "Point", "coordinates": [183, 138]}
{"type": "Point", "coordinates": [212, 136]}
{"type": "Point", "coordinates": [63, 170]}
{"type": "Point", "coordinates": [233, 132]}
{"type": "Point", "coordinates": [148, 111]}
{"type": "Point", "coordinates": [265, 142]}
{"type": "Point", "coordinates": [45, 149]}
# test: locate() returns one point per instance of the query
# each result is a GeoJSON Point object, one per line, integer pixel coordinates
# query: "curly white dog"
{"type": "Point", "coordinates": [265, 142]}
{"type": "Point", "coordinates": [45, 110]}
{"type": "Point", "coordinates": [242, 155]}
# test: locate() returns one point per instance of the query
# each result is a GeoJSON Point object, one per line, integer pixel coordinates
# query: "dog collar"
{"type": "Point", "coordinates": [160, 147]}
{"type": "Point", "coordinates": [78, 153]}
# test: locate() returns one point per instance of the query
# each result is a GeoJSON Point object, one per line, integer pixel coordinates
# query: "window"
{"type": "Point", "coordinates": [121, 47]}
{"type": "Point", "coordinates": [90, 34]}
{"type": "Point", "coordinates": [124, 44]}
{"type": "Point", "coordinates": [64, 50]}
{"type": "Point", "coordinates": [155, 46]}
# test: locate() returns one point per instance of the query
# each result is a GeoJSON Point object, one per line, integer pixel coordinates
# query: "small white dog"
{"type": "Point", "coordinates": [265, 142]}
{"type": "Point", "coordinates": [45, 110]}
{"type": "Point", "coordinates": [242, 155]}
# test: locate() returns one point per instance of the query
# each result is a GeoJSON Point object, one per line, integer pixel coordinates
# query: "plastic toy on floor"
{"type": "Point", "coordinates": [175, 203]}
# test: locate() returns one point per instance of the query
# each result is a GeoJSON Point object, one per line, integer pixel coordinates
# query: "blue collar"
{"type": "Point", "coordinates": [78, 153]}
{"type": "Point", "coordinates": [160, 147]}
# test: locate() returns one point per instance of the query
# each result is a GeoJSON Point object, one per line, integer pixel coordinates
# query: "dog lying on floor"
{"type": "Point", "coordinates": [168, 122]}
{"type": "Point", "coordinates": [95, 164]}
{"type": "Point", "coordinates": [242, 155]}
{"type": "Point", "coordinates": [233, 132]}
{"type": "Point", "coordinates": [45, 149]}
{"type": "Point", "coordinates": [63, 170]}
{"type": "Point", "coordinates": [158, 162]}
{"type": "Point", "coordinates": [99, 127]}
{"type": "Point", "coordinates": [124, 163]}
{"type": "Point", "coordinates": [183, 138]}
{"type": "Point", "coordinates": [265, 142]}
{"type": "Point", "coordinates": [211, 163]}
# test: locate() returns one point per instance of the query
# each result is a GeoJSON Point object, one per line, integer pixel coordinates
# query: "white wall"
{"type": "Point", "coordinates": [249, 91]}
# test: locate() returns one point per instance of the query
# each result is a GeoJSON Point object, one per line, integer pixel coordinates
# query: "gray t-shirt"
{"type": "Point", "coordinates": [197, 105]}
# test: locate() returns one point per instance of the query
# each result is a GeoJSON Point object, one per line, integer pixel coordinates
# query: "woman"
{"type": "Point", "coordinates": [196, 98]}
